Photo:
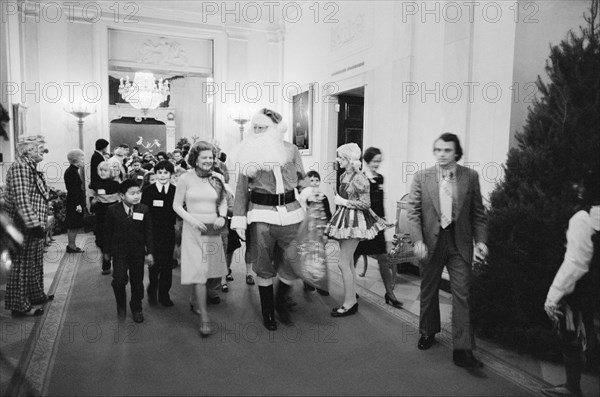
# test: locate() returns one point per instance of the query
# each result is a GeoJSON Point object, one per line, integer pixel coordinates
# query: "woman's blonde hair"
{"type": "Point", "coordinates": [104, 165]}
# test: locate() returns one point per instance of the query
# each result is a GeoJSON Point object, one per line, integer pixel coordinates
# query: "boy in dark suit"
{"type": "Point", "coordinates": [159, 198]}
{"type": "Point", "coordinates": [137, 172]}
{"type": "Point", "coordinates": [128, 237]}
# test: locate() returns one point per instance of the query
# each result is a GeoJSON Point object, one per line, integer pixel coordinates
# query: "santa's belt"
{"type": "Point", "coordinates": [273, 199]}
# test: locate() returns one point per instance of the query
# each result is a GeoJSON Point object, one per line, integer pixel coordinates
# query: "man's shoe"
{"type": "Point", "coordinates": [250, 280]}
{"type": "Point", "coordinates": [561, 391]}
{"type": "Point", "coordinates": [466, 359]}
{"type": "Point", "coordinates": [166, 302]}
{"type": "Point", "coordinates": [41, 302]}
{"type": "Point", "coordinates": [269, 322]}
{"type": "Point", "coordinates": [121, 313]}
{"type": "Point", "coordinates": [215, 300]}
{"type": "Point", "coordinates": [138, 317]}
{"type": "Point", "coordinates": [425, 342]}
{"type": "Point", "coordinates": [152, 299]}
{"type": "Point", "coordinates": [34, 313]}
{"type": "Point", "coordinates": [75, 250]}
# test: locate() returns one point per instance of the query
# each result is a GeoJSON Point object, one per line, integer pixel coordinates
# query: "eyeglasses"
{"type": "Point", "coordinates": [31, 138]}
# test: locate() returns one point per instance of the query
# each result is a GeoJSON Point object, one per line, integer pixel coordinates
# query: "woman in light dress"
{"type": "Point", "coordinates": [204, 196]}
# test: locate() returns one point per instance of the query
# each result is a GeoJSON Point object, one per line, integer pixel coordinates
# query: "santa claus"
{"type": "Point", "coordinates": [266, 207]}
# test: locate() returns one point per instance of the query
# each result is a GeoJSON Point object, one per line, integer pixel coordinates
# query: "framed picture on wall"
{"type": "Point", "coordinates": [19, 119]}
{"type": "Point", "coordinates": [302, 113]}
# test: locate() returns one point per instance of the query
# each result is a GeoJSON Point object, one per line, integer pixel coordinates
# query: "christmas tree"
{"type": "Point", "coordinates": [530, 209]}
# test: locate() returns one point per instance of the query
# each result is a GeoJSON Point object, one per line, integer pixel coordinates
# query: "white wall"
{"type": "Point", "coordinates": [402, 45]}
{"type": "Point", "coordinates": [426, 49]}
{"type": "Point", "coordinates": [48, 55]}
{"type": "Point", "coordinates": [547, 24]}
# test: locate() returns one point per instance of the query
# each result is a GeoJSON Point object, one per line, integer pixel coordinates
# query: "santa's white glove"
{"type": "Point", "coordinates": [339, 200]}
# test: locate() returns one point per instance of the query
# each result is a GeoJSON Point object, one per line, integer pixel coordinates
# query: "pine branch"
{"type": "Point", "coordinates": [592, 19]}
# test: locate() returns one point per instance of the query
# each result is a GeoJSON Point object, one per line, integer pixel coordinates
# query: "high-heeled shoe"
{"type": "Point", "coordinates": [205, 330]}
{"type": "Point", "coordinates": [345, 312]}
{"type": "Point", "coordinates": [197, 311]}
{"type": "Point", "coordinates": [393, 302]}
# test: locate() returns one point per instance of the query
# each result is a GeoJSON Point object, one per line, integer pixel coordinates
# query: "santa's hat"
{"type": "Point", "coordinates": [270, 118]}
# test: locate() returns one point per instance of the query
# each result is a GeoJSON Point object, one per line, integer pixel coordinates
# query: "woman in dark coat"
{"type": "Point", "coordinates": [75, 198]}
{"type": "Point", "coordinates": [376, 248]}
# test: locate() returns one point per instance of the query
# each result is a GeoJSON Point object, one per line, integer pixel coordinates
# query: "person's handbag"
{"type": "Point", "coordinates": [212, 231]}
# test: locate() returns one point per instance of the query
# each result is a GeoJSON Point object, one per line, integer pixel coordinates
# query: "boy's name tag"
{"type": "Point", "coordinates": [140, 177]}
{"type": "Point", "coordinates": [138, 216]}
{"type": "Point", "coordinates": [158, 203]}
{"type": "Point", "coordinates": [101, 191]}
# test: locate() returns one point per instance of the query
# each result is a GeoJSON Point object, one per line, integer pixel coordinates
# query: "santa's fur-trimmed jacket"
{"type": "Point", "coordinates": [274, 180]}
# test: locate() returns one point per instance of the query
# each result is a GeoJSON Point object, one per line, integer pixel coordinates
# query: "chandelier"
{"type": "Point", "coordinates": [144, 93]}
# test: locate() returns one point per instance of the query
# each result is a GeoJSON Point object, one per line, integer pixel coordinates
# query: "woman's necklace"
{"type": "Point", "coordinates": [203, 174]}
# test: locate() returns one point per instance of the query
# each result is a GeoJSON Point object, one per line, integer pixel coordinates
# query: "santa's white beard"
{"type": "Point", "coordinates": [261, 151]}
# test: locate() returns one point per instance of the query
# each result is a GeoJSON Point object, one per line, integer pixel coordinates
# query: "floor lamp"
{"type": "Point", "coordinates": [241, 116]}
{"type": "Point", "coordinates": [80, 112]}
{"type": "Point", "coordinates": [241, 122]}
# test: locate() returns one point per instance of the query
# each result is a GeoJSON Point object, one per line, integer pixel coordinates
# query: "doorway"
{"type": "Point", "coordinates": [350, 124]}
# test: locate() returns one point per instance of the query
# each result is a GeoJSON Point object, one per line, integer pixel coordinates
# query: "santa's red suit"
{"type": "Point", "coordinates": [266, 207]}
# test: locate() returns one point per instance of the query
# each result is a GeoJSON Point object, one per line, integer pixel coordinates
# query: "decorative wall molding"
{"type": "Point", "coordinates": [348, 32]}
{"type": "Point", "coordinates": [162, 51]}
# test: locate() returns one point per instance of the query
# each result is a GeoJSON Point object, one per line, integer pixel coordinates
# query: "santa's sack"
{"type": "Point", "coordinates": [311, 262]}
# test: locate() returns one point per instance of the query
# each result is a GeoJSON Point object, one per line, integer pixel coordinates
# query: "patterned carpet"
{"type": "Point", "coordinates": [78, 348]}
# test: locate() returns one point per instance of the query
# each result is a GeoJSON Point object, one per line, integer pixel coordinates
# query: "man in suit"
{"type": "Point", "coordinates": [98, 157]}
{"type": "Point", "coordinates": [128, 237]}
{"type": "Point", "coordinates": [446, 217]}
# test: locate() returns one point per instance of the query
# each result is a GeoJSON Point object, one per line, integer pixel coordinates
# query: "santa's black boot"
{"type": "Point", "coordinates": [268, 307]}
{"type": "Point", "coordinates": [281, 304]}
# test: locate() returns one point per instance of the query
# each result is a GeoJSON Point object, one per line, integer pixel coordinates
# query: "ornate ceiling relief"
{"type": "Point", "coordinates": [162, 51]}
{"type": "Point", "coordinates": [348, 32]}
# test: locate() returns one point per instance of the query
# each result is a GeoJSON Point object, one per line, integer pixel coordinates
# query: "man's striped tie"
{"type": "Point", "coordinates": [446, 202]}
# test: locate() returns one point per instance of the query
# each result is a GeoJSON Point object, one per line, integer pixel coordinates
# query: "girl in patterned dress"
{"type": "Point", "coordinates": [352, 221]}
